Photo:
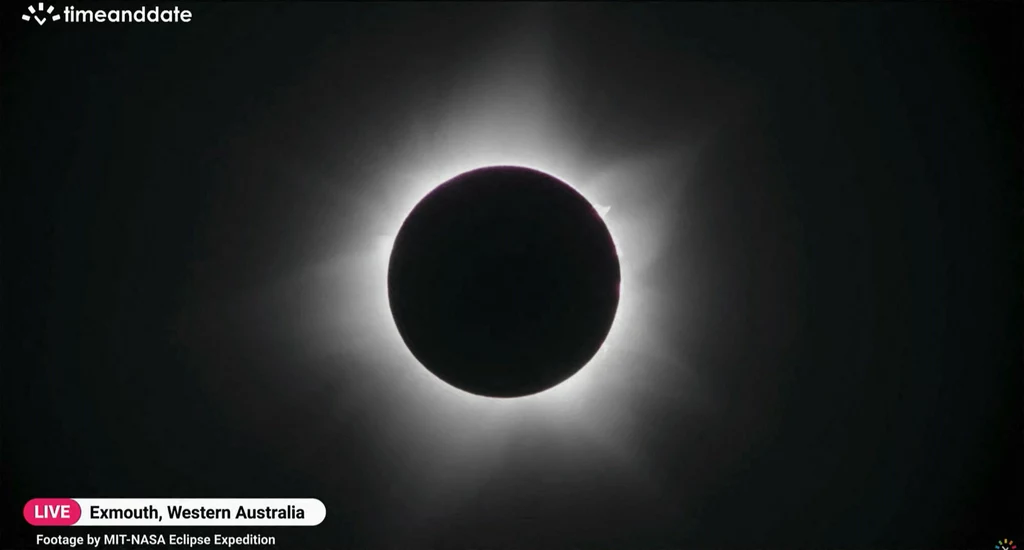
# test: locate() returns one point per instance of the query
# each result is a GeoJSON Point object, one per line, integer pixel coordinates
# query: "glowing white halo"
{"type": "Point", "coordinates": [516, 127]}
{"type": "Point", "coordinates": [470, 424]}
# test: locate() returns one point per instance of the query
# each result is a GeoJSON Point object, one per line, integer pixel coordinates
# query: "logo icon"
{"type": "Point", "coordinates": [1005, 544]}
{"type": "Point", "coordinates": [40, 15]}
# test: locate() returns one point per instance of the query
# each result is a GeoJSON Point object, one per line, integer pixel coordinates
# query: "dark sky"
{"type": "Point", "coordinates": [849, 242]}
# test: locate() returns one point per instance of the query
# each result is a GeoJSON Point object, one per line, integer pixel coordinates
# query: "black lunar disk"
{"type": "Point", "coordinates": [504, 281]}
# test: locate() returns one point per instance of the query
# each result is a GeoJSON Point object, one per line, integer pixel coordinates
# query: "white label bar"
{"type": "Point", "coordinates": [157, 512]}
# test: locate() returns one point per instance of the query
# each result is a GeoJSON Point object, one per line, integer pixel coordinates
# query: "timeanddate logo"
{"type": "Point", "coordinates": [42, 13]}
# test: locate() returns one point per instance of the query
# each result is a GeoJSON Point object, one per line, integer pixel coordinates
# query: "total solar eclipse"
{"type": "Point", "coordinates": [503, 281]}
